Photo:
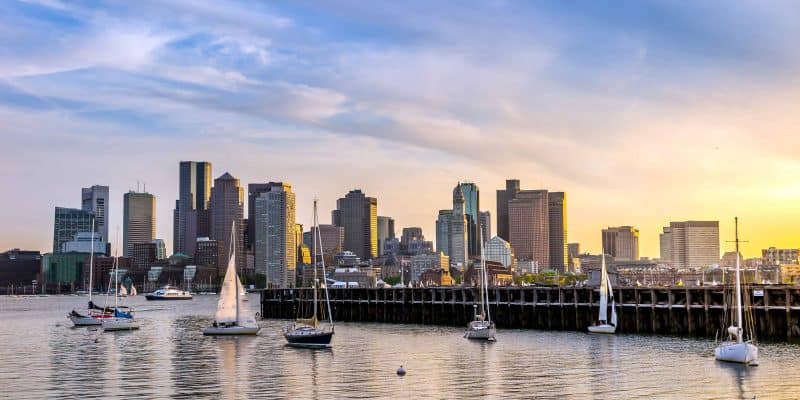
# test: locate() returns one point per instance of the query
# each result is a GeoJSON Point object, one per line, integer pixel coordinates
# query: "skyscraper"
{"type": "Point", "coordinates": [443, 232]}
{"type": "Point", "coordinates": [458, 231]}
{"type": "Point", "coordinates": [472, 213]}
{"type": "Point", "coordinates": [95, 200]}
{"type": "Point", "coordinates": [665, 242]}
{"type": "Point", "coordinates": [227, 209]}
{"type": "Point", "coordinates": [138, 220]}
{"type": "Point", "coordinates": [621, 242]}
{"type": "Point", "coordinates": [68, 222]}
{"type": "Point", "coordinates": [694, 243]}
{"type": "Point", "coordinates": [332, 242]}
{"type": "Point", "coordinates": [503, 197]}
{"type": "Point", "coordinates": [557, 211]}
{"type": "Point", "coordinates": [253, 191]}
{"type": "Point", "coordinates": [275, 230]}
{"type": "Point", "coordinates": [191, 215]}
{"type": "Point", "coordinates": [529, 227]}
{"type": "Point", "coordinates": [385, 232]}
{"type": "Point", "coordinates": [486, 226]}
{"type": "Point", "coordinates": [358, 215]}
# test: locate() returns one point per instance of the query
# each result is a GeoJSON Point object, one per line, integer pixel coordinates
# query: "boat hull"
{"type": "Point", "coordinates": [604, 328]}
{"type": "Point", "coordinates": [156, 297]}
{"type": "Point", "coordinates": [231, 331]}
{"type": "Point", "coordinates": [309, 340]}
{"type": "Point", "coordinates": [120, 324]}
{"type": "Point", "coordinates": [83, 320]}
{"type": "Point", "coordinates": [743, 353]}
{"type": "Point", "coordinates": [480, 334]}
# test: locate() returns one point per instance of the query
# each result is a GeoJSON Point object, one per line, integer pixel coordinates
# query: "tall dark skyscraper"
{"type": "Point", "coordinates": [253, 191]}
{"type": "Point", "coordinates": [472, 212]}
{"type": "Point", "coordinates": [358, 215]}
{"type": "Point", "coordinates": [557, 210]}
{"type": "Point", "coordinates": [191, 215]}
{"type": "Point", "coordinates": [503, 197]}
{"type": "Point", "coordinates": [227, 208]}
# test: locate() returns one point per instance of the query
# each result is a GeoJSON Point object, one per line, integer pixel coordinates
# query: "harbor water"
{"type": "Point", "coordinates": [42, 356]}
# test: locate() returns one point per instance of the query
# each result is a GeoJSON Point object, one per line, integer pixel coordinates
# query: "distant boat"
{"type": "Point", "coordinates": [122, 292]}
{"type": "Point", "coordinates": [94, 315]}
{"type": "Point", "coordinates": [169, 293]}
{"type": "Point", "coordinates": [482, 327]}
{"type": "Point", "coordinates": [133, 291]}
{"type": "Point", "coordinates": [233, 316]}
{"type": "Point", "coordinates": [306, 331]}
{"type": "Point", "coordinates": [606, 292]}
{"type": "Point", "coordinates": [121, 320]}
{"type": "Point", "coordinates": [736, 349]}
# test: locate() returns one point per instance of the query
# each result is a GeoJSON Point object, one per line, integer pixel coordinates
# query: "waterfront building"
{"type": "Point", "coordinates": [385, 232]}
{"type": "Point", "coordinates": [485, 220]}
{"type": "Point", "coordinates": [503, 197]}
{"type": "Point", "coordinates": [472, 208]}
{"type": "Point", "coordinates": [500, 251]}
{"type": "Point", "coordinates": [358, 215]}
{"type": "Point", "coordinates": [227, 211]}
{"type": "Point", "coordinates": [161, 249]}
{"type": "Point", "coordinates": [138, 220]}
{"type": "Point", "coordinates": [458, 231]}
{"type": "Point", "coordinates": [557, 225]}
{"type": "Point", "coordinates": [775, 256]}
{"type": "Point", "coordinates": [355, 277]}
{"type": "Point", "coordinates": [83, 243]}
{"type": "Point", "coordinates": [64, 268]}
{"type": "Point", "coordinates": [443, 232]}
{"type": "Point", "coordinates": [19, 267]}
{"type": "Point", "coordinates": [621, 242]}
{"type": "Point", "coordinates": [209, 253]}
{"type": "Point", "coordinates": [665, 243]}
{"type": "Point", "coordinates": [529, 228]}
{"type": "Point", "coordinates": [275, 245]}
{"type": "Point", "coordinates": [143, 255]}
{"type": "Point", "coordinates": [694, 243]}
{"type": "Point", "coordinates": [420, 263]}
{"type": "Point", "coordinates": [191, 215]}
{"type": "Point", "coordinates": [68, 222]}
{"type": "Point", "coordinates": [391, 247]}
{"type": "Point", "coordinates": [94, 199]}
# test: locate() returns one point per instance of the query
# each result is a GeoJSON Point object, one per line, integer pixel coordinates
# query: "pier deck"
{"type": "Point", "coordinates": [693, 311]}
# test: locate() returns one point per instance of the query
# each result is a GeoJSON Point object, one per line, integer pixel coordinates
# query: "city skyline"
{"type": "Point", "coordinates": [640, 125]}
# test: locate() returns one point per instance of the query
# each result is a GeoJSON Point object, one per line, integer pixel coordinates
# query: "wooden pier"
{"type": "Point", "coordinates": [695, 311]}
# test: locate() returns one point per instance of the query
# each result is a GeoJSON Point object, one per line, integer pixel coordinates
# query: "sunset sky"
{"type": "Point", "coordinates": [642, 112]}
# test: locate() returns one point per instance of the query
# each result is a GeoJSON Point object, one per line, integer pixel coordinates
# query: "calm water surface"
{"type": "Point", "coordinates": [41, 356]}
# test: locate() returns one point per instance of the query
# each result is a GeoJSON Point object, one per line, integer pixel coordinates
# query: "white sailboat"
{"type": "Point", "coordinates": [482, 327]}
{"type": "Point", "coordinates": [122, 291]}
{"type": "Point", "coordinates": [233, 316]}
{"type": "Point", "coordinates": [133, 291]}
{"type": "Point", "coordinates": [736, 349]}
{"type": "Point", "coordinates": [606, 292]}
{"type": "Point", "coordinates": [121, 320]}
{"type": "Point", "coordinates": [94, 314]}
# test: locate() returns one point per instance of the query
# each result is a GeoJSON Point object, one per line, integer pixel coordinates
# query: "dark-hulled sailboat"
{"type": "Point", "coordinates": [309, 332]}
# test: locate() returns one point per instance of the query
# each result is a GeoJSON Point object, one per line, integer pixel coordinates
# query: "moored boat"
{"type": "Point", "coordinates": [606, 293]}
{"type": "Point", "coordinates": [169, 293]}
{"type": "Point", "coordinates": [482, 327]}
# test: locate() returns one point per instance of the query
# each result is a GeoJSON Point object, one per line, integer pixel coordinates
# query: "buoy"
{"type": "Point", "coordinates": [401, 371]}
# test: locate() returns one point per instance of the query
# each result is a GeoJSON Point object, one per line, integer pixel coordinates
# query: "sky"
{"type": "Point", "coordinates": [643, 112]}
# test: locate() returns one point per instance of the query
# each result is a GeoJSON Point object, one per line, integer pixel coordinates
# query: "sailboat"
{"type": "Point", "coordinates": [121, 320]}
{"type": "Point", "coordinates": [133, 291]}
{"type": "Point", "coordinates": [606, 292]}
{"type": "Point", "coordinates": [736, 349]}
{"type": "Point", "coordinates": [306, 332]}
{"type": "Point", "coordinates": [233, 316]}
{"type": "Point", "coordinates": [94, 314]}
{"type": "Point", "coordinates": [122, 292]}
{"type": "Point", "coordinates": [482, 327]}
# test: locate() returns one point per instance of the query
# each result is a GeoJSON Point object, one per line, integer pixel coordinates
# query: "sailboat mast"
{"type": "Point", "coordinates": [322, 252]}
{"type": "Point", "coordinates": [485, 297]}
{"type": "Point", "coordinates": [116, 282]}
{"type": "Point", "coordinates": [236, 273]}
{"type": "Point", "coordinates": [91, 263]}
{"type": "Point", "coordinates": [738, 286]}
{"type": "Point", "coordinates": [315, 235]}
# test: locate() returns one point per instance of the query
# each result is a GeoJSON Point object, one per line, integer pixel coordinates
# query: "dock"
{"type": "Point", "coordinates": [695, 311]}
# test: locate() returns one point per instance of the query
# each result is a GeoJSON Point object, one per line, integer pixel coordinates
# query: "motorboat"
{"type": "Point", "coordinates": [169, 293]}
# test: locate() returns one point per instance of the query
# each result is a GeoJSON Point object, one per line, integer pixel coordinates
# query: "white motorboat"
{"type": "Point", "coordinates": [606, 292]}
{"type": "Point", "coordinates": [736, 349]}
{"type": "Point", "coordinates": [169, 293]}
{"type": "Point", "coordinates": [233, 316]}
{"type": "Point", "coordinates": [482, 327]}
